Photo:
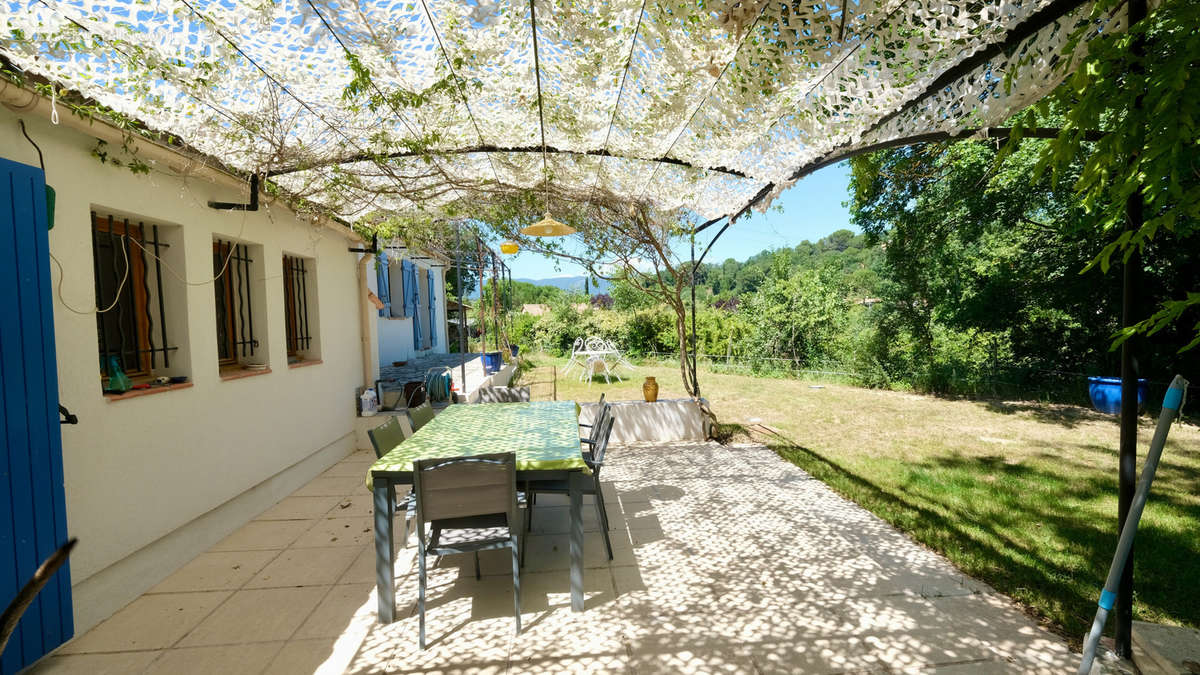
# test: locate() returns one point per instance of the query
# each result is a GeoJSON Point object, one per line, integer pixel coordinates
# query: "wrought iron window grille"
{"type": "Point", "coordinates": [128, 278]}
{"type": "Point", "coordinates": [295, 291]}
{"type": "Point", "coordinates": [236, 339]}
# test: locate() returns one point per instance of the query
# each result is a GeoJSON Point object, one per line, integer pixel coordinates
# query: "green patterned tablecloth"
{"type": "Point", "coordinates": [544, 436]}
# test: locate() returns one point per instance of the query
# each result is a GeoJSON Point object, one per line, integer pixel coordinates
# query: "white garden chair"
{"type": "Point", "coordinates": [594, 365]}
{"type": "Point", "coordinates": [575, 359]}
{"type": "Point", "coordinates": [619, 356]}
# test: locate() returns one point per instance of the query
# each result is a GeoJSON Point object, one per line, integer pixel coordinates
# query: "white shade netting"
{"type": "Point", "coordinates": [707, 107]}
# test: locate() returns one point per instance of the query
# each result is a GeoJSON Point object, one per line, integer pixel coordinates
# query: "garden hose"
{"type": "Point", "coordinates": [1172, 404]}
{"type": "Point", "coordinates": [437, 384]}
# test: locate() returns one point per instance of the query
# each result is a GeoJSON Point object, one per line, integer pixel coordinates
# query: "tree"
{"type": "Point", "coordinates": [615, 240]}
{"type": "Point", "coordinates": [983, 246]}
{"type": "Point", "coordinates": [795, 316]}
{"type": "Point", "coordinates": [628, 296]}
{"type": "Point", "coordinates": [1139, 87]}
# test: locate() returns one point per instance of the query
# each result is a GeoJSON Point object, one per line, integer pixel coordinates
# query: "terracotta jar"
{"type": "Point", "coordinates": [650, 390]}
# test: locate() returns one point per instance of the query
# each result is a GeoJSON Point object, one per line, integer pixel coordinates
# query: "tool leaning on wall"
{"type": "Point", "coordinates": [1172, 405]}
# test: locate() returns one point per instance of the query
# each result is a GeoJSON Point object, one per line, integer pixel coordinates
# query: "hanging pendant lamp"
{"type": "Point", "coordinates": [509, 247]}
{"type": "Point", "coordinates": [547, 227]}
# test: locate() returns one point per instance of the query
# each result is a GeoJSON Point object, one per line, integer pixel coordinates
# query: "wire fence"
{"type": "Point", "coordinates": [1057, 386]}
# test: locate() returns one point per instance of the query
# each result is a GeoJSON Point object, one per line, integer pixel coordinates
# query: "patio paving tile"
{"type": "Point", "coordinates": [154, 621]}
{"type": "Point", "coordinates": [358, 505]}
{"type": "Point", "coordinates": [216, 571]}
{"type": "Point", "coordinates": [670, 659]}
{"type": "Point", "coordinates": [258, 535]}
{"type": "Point", "coordinates": [301, 656]}
{"type": "Point", "coordinates": [557, 519]}
{"type": "Point", "coordinates": [362, 570]}
{"type": "Point", "coordinates": [617, 662]}
{"type": "Point", "coordinates": [249, 659]}
{"type": "Point", "coordinates": [305, 567]}
{"type": "Point", "coordinates": [469, 627]}
{"type": "Point", "coordinates": [335, 486]}
{"type": "Point", "coordinates": [259, 615]}
{"type": "Point", "coordinates": [356, 466]}
{"type": "Point", "coordinates": [94, 664]}
{"type": "Point", "coordinates": [338, 609]}
{"type": "Point", "coordinates": [338, 532]}
{"type": "Point", "coordinates": [300, 508]}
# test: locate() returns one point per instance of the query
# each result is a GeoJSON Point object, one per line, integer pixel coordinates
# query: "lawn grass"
{"type": "Point", "coordinates": [1020, 495]}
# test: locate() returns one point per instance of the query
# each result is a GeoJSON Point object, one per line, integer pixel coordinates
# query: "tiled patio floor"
{"type": "Point", "coordinates": [728, 560]}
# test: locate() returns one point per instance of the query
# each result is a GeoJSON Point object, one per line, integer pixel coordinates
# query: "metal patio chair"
{"type": "Point", "coordinates": [384, 438]}
{"type": "Point", "coordinates": [602, 413]}
{"type": "Point", "coordinates": [503, 394]}
{"type": "Point", "coordinates": [594, 460]}
{"type": "Point", "coordinates": [470, 505]}
{"type": "Point", "coordinates": [420, 415]}
{"type": "Point", "coordinates": [597, 419]}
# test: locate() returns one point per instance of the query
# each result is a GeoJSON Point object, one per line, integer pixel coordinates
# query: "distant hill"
{"type": "Point", "coordinates": [570, 284]}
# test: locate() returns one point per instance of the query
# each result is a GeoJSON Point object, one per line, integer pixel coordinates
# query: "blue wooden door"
{"type": "Point", "coordinates": [33, 518]}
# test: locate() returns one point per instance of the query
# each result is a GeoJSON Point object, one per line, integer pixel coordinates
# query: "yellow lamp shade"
{"type": "Point", "coordinates": [509, 247]}
{"type": "Point", "coordinates": [547, 227]}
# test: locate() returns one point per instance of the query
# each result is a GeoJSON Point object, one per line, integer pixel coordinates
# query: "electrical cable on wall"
{"type": "Point", "coordinates": [125, 278]}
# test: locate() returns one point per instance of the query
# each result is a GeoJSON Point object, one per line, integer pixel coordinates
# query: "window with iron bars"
{"type": "Point", "coordinates": [237, 289]}
{"type": "Point", "coordinates": [131, 326]}
{"type": "Point", "coordinates": [299, 306]}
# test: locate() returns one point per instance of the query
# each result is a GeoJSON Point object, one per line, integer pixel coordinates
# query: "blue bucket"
{"type": "Point", "coordinates": [492, 363]}
{"type": "Point", "coordinates": [1105, 393]}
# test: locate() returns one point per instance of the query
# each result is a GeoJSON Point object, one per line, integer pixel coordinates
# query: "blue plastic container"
{"type": "Point", "coordinates": [492, 363]}
{"type": "Point", "coordinates": [1106, 394]}
{"type": "Point", "coordinates": [515, 349]}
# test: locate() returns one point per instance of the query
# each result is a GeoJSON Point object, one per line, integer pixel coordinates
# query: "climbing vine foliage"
{"type": "Point", "coordinates": [430, 108]}
{"type": "Point", "coordinates": [1140, 88]}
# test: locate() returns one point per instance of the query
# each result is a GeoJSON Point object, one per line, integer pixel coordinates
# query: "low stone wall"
{"type": "Point", "coordinates": [500, 378]}
{"type": "Point", "coordinates": [663, 420]}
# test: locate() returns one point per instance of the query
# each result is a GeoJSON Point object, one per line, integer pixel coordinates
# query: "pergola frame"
{"type": "Point", "coordinates": [817, 83]}
{"type": "Point", "coordinates": [381, 122]}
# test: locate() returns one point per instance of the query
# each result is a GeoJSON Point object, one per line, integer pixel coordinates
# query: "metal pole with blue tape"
{"type": "Point", "coordinates": [1172, 403]}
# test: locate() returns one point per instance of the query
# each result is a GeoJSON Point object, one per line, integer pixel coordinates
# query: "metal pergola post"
{"type": "Point", "coordinates": [1127, 459]}
{"type": "Point", "coordinates": [462, 313]}
{"type": "Point", "coordinates": [495, 301]}
{"type": "Point", "coordinates": [695, 381]}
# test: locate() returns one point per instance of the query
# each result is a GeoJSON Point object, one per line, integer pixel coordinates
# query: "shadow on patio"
{"type": "Point", "coordinates": [727, 559]}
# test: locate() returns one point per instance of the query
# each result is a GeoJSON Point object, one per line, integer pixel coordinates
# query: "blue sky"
{"type": "Point", "coordinates": [811, 209]}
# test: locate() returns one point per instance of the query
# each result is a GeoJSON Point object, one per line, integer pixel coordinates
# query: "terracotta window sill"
{"type": "Point", "coordinates": [239, 373]}
{"type": "Point", "coordinates": [135, 393]}
{"type": "Point", "coordinates": [305, 364]}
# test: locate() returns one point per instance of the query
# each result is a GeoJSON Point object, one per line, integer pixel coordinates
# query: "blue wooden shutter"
{"type": "Point", "coordinates": [34, 522]}
{"type": "Point", "coordinates": [432, 313]}
{"type": "Point", "coordinates": [382, 281]}
{"type": "Point", "coordinates": [413, 294]}
{"type": "Point", "coordinates": [397, 298]}
{"type": "Point", "coordinates": [408, 274]}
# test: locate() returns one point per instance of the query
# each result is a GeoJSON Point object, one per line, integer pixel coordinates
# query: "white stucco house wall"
{"type": "Point", "coordinates": [412, 322]}
{"type": "Point", "coordinates": [154, 477]}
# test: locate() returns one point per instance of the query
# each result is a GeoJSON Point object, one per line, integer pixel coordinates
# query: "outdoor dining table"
{"type": "Point", "coordinates": [543, 435]}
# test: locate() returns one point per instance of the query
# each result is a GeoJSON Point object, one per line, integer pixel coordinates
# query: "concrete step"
{"type": "Point", "coordinates": [1166, 650]}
